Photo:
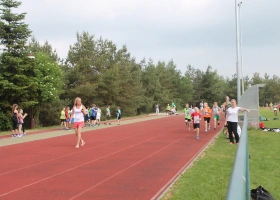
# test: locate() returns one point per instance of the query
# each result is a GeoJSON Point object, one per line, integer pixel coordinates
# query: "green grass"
{"type": "Point", "coordinates": [209, 176]}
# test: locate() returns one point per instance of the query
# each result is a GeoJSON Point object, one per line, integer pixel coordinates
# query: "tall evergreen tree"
{"type": "Point", "coordinates": [14, 32]}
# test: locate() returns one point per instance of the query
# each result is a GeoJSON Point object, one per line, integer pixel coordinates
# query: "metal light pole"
{"type": "Point", "coordinates": [241, 57]}
{"type": "Point", "coordinates": [237, 50]}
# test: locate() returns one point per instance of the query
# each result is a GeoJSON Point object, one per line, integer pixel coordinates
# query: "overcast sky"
{"type": "Point", "coordinates": [195, 32]}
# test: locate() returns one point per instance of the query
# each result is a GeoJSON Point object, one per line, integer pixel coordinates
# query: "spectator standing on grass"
{"type": "Point", "coordinates": [157, 109]}
{"type": "Point", "coordinates": [271, 106]}
{"type": "Point", "coordinates": [196, 117]}
{"type": "Point", "coordinates": [79, 111]}
{"type": "Point", "coordinates": [275, 109]}
{"type": "Point", "coordinates": [232, 121]}
{"type": "Point", "coordinates": [14, 120]}
{"type": "Point", "coordinates": [108, 115]}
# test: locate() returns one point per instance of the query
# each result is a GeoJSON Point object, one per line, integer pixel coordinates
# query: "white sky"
{"type": "Point", "coordinates": [195, 32]}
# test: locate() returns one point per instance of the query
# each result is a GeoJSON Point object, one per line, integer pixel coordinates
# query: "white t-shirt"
{"type": "Point", "coordinates": [233, 114]}
{"type": "Point", "coordinates": [79, 116]}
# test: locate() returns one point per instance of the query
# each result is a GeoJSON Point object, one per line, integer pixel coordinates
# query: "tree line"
{"type": "Point", "coordinates": [95, 69]}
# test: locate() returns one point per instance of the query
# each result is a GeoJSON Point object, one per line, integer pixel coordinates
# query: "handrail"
{"type": "Point", "coordinates": [239, 186]}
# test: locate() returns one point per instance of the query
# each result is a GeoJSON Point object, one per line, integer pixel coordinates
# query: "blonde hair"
{"type": "Point", "coordinates": [75, 101]}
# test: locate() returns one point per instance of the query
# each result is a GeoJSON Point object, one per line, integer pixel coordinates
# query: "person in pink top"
{"type": "Point", "coordinates": [79, 111]}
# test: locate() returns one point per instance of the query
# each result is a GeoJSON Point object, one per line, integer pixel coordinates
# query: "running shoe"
{"type": "Point", "coordinates": [197, 137]}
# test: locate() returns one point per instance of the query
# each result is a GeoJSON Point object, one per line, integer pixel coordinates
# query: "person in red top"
{"type": "Point", "coordinates": [196, 117]}
{"type": "Point", "coordinates": [207, 116]}
{"type": "Point", "coordinates": [67, 114]}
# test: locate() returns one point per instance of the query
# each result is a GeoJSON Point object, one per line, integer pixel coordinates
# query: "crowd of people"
{"type": "Point", "coordinates": [80, 116]}
{"type": "Point", "coordinates": [273, 107]}
{"type": "Point", "coordinates": [193, 116]}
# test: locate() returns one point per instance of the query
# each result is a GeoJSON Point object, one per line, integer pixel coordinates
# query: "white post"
{"type": "Point", "coordinates": [237, 51]}
{"type": "Point", "coordinates": [241, 56]}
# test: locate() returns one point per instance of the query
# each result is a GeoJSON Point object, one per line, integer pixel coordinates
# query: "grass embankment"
{"type": "Point", "coordinates": [209, 176]}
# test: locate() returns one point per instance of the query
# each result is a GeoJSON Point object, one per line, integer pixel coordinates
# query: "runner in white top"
{"type": "Point", "coordinates": [79, 111]}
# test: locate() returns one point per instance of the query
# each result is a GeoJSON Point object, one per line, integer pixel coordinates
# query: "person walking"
{"type": "Point", "coordinates": [79, 111]}
{"type": "Point", "coordinates": [232, 121]}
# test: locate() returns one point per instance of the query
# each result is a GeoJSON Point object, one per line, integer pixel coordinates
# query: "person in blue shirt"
{"type": "Point", "coordinates": [93, 111]}
{"type": "Point", "coordinates": [119, 115]}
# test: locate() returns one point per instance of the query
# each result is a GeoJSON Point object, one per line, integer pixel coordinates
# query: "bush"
{"type": "Point", "coordinates": [5, 121]}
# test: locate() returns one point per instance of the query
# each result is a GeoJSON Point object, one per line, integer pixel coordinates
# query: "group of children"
{"type": "Point", "coordinates": [193, 116]}
{"type": "Point", "coordinates": [92, 117]}
{"type": "Point", "coordinates": [18, 129]}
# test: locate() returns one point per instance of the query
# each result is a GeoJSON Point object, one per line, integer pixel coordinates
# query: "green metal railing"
{"type": "Point", "coordinates": [239, 186]}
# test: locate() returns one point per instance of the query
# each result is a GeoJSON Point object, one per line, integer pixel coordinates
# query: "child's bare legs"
{"type": "Point", "coordinates": [215, 122]}
{"type": "Point", "coordinates": [197, 133]}
{"type": "Point", "coordinates": [19, 128]}
{"type": "Point", "coordinates": [78, 131]}
{"type": "Point", "coordinates": [206, 125]}
{"type": "Point", "coordinates": [62, 124]}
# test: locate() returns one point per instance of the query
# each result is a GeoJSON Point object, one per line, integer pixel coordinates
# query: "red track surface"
{"type": "Point", "coordinates": [134, 161]}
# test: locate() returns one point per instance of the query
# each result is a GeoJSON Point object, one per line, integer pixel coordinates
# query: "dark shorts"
{"type": "Point", "coordinates": [119, 117]}
{"type": "Point", "coordinates": [67, 120]}
{"type": "Point", "coordinates": [62, 120]}
{"type": "Point", "coordinates": [92, 117]}
{"type": "Point", "coordinates": [86, 117]}
{"type": "Point", "coordinates": [108, 117]}
{"type": "Point", "coordinates": [196, 126]}
{"type": "Point", "coordinates": [186, 119]}
{"type": "Point", "coordinates": [207, 119]}
{"type": "Point", "coordinates": [15, 125]}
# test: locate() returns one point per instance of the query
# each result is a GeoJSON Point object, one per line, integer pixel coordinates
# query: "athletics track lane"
{"type": "Point", "coordinates": [133, 161]}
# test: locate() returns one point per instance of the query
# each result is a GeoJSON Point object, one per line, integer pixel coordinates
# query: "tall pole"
{"type": "Point", "coordinates": [241, 56]}
{"type": "Point", "coordinates": [237, 51]}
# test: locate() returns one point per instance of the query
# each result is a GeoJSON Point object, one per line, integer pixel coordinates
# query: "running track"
{"type": "Point", "coordinates": [133, 161]}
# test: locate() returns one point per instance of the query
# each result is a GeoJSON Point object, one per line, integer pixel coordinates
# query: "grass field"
{"type": "Point", "coordinates": [209, 176]}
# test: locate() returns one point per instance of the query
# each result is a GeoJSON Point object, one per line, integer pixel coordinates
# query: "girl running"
{"type": "Point", "coordinates": [196, 117]}
{"type": "Point", "coordinates": [207, 116]}
{"type": "Point", "coordinates": [216, 110]}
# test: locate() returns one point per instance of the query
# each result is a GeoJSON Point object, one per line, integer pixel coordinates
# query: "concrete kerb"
{"type": "Point", "coordinates": [58, 133]}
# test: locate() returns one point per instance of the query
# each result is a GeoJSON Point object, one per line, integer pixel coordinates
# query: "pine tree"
{"type": "Point", "coordinates": [14, 32]}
